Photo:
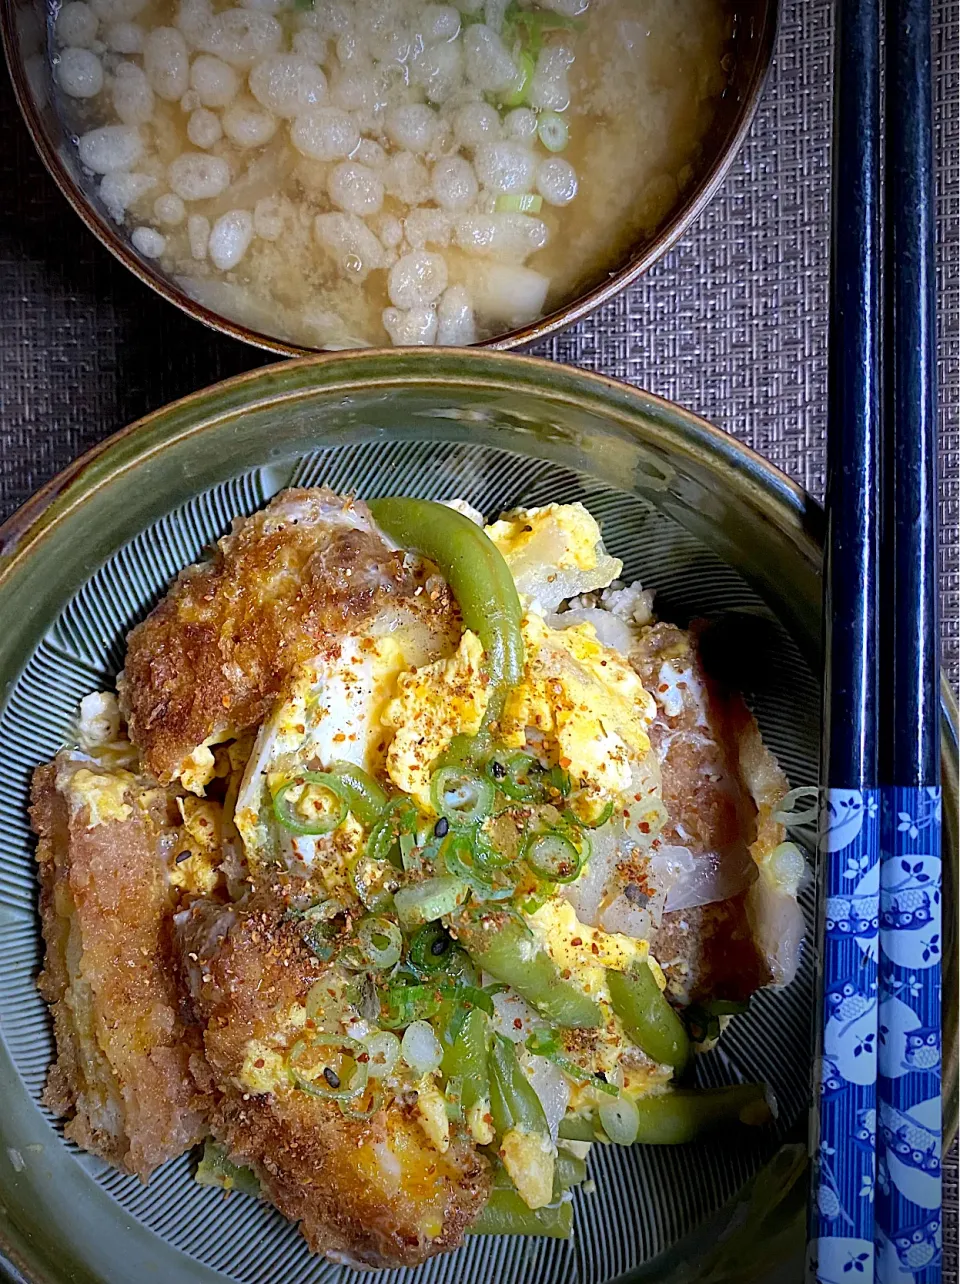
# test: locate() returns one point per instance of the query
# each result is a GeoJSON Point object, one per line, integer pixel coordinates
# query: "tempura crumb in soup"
{"type": "Point", "coordinates": [360, 172]}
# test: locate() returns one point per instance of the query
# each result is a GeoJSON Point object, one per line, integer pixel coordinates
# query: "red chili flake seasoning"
{"type": "Point", "coordinates": [566, 974]}
{"type": "Point", "coordinates": [577, 940]}
{"type": "Point", "coordinates": [259, 1063]}
{"type": "Point", "coordinates": [339, 738]}
{"type": "Point", "coordinates": [517, 1023]}
{"type": "Point", "coordinates": [594, 947]}
{"type": "Point", "coordinates": [565, 762]}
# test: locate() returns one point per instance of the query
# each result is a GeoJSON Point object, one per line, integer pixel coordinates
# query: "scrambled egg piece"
{"type": "Point", "coordinates": [203, 833]}
{"type": "Point", "coordinates": [529, 1158]}
{"type": "Point", "coordinates": [588, 703]}
{"type": "Point", "coordinates": [103, 793]}
{"type": "Point", "coordinates": [432, 705]}
{"type": "Point", "coordinates": [432, 1114]}
{"type": "Point", "coordinates": [583, 699]}
{"type": "Point", "coordinates": [554, 552]}
{"type": "Point", "coordinates": [585, 951]}
{"type": "Point", "coordinates": [264, 1068]}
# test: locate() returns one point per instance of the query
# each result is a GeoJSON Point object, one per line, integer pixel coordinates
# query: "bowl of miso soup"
{"type": "Point", "coordinates": [331, 174]}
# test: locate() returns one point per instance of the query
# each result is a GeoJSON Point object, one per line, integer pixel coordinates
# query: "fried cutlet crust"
{"type": "Point", "coordinates": [123, 1067]}
{"type": "Point", "coordinates": [709, 950]}
{"type": "Point", "coordinates": [210, 660]}
{"type": "Point", "coordinates": [245, 968]}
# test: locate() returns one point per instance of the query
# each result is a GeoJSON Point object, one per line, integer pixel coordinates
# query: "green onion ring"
{"type": "Point", "coordinates": [380, 941]}
{"type": "Point", "coordinates": [323, 1087]}
{"type": "Point", "coordinates": [553, 856]}
{"type": "Point", "coordinates": [283, 809]}
{"type": "Point", "coordinates": [463, 796]}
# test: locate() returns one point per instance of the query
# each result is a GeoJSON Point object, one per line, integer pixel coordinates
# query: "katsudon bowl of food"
{"type": "Point", "coordinates": [330, 174]}
{"type": "Point", "coordinates": [409, 770]}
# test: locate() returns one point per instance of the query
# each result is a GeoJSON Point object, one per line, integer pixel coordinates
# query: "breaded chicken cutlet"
{"type": "Point", "coordinates": [720, 786]}
{"type": "Point", "coordinates": [371, 1192]}
{"type": "Point", "coordinates": [123, 1071]}
{"type": "Point", "coordinates": [209, 662]}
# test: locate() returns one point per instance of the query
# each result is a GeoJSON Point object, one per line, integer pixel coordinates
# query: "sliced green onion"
{"type": "Point", "coordinates": [431, 948]}
{"type": "Point", "coordinates": [468, 996]}
{"type": "Point", "coordinates": [341, 1076]}
{"type": "Point", "coordinates": [544, 1043]}
{"type": "Point", "coordinates": [380, 941]}
{"type": "Point", "coordinates": [453, 1096]}
{"type": "Point", "coordinates": [553, 856]}
{"type": "Point", "coordinates": [290, 813]}
{"type": "Point", "coordinates": [365, 798]}
{"type": "Point", "coordinates": [429, 900]}
{"type": "Point", "coordinates": [401, 1004]}
{"type": "Point", "coordinates": [519, 776]}
{"type": "Point", "coordinates": [375, 882]}
{"type": "Point", "coordinates": [600, 820]}
{"type": "Point", "coordinates": [366, 1105]}
{"type": "Point", "coordinates": [518, 203]}
{"type": "Point", "coordinates": [420, 1047]}
{"type": "Point", "coordinates": [517, 94]}
{"type": "Point", "coordinates": [552, 131]}
{"type": "Point", "coordinates": [408, 847]}
{"type": "Point", "coordinates": [383, 1051]}
{"type": "Point", "coordinates": [324, 1007]}
{"type": "Point", "coordinates": [400, 817]}
{"type": "Point", "coordinates": [461, 795]}
{"type": "Point", "coordinates": [460, 858]}
{"type": "Point", "coordinates": [620, 1119]}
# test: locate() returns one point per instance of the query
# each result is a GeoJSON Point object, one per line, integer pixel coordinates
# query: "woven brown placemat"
{"type": "Point", "coordinates": [732, 323]}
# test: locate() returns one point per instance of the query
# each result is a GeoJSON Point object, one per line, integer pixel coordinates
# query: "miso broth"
{"type": "Point", "coordinates": [362, 172]}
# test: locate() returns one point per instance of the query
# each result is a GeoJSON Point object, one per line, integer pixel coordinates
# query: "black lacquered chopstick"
{"type": "Point", "coordinates": [842, 1132]}
{"type": "Point", "coordinates": [908, 1228]}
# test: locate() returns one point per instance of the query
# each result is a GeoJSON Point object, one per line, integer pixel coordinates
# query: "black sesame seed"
{"type": "Point", "coordinates": [498, 770]}
{"type": "Point", "coordinates": [442, 827]}
{"type": "Point", "coordinates": [636, 895]}
{"type": "Point", "coordinates": [601, 1076]}
{"type": "Point", "coordinates": [439, 946]}
{"type": "Point", "coordinates": [331, 1076]}
{"type": "Point", "coordinates": [179, 859]}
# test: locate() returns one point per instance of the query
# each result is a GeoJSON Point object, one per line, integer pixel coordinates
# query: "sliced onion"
{"type": "Point", "coordinates": [620, 1119]}
{"type": "Point", "coordinates": [708, 877]}
{"type": "Point", "coordinates": [551, 1086]}
{"type": "Point", "coordinates": [623, 916]}
{"type": "Point", "coordinates": [383, 1049]}
{"type": "Point", "coordinates": [645, 820]}
{"type": "Point", "coordinates": [420, 1047]}
{"type": "Point", "coordinates": [791, 810]}
{"type": "Point", "coordinates": [508, 1010]}
{"type": "Point", "coordinates": [380, 941]}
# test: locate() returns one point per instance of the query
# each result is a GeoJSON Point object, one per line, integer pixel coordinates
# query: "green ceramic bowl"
{"type": "Point", "coordinates": [703, 520]}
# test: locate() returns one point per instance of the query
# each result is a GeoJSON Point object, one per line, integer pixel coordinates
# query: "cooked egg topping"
{"type": "Point", "coordinates": [579, 703]}
{"type": "Point", "coordinates": [554, 552]}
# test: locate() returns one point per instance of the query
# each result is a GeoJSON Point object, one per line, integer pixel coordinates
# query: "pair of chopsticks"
{"type": "Point", "coordinates": [876, 1135]}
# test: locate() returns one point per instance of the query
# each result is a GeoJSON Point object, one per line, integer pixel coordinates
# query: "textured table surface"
{"type": "Point", "coordinates": [731, 324]}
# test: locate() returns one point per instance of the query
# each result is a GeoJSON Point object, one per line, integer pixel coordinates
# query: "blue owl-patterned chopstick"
{"type": "Point", "coordinates": [908, 1225]}
{"type": "Point", "coordinates": [843, 1144]}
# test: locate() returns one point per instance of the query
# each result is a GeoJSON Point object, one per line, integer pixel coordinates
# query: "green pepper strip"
{"type": "Point", "coordinates": [513, 1100]}
{"type": "Point", "coordinates": [465, 1058]}
{"type": "Point", "coordinates": [649, 1020]}
{"type": "Point", "coordinates": [507, 1214]}
{"type": "Point", "coordinates": [506, 952]}
{"type": "Point", "coordinates": [684, 1114]}
{"type": "Point", "coordinates": [364, 796]}
{"type": "Point", "coordinates": [476, 572]}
